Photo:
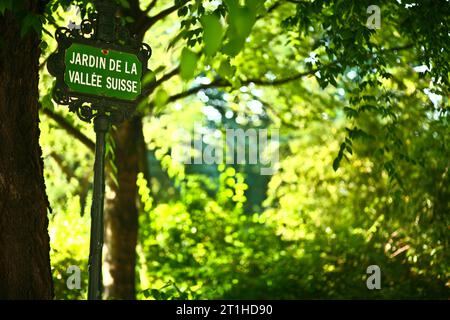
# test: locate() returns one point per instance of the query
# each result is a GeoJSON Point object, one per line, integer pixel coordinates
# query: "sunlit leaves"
{"type": "Point", "coordinates": [212, 33]}
{"type": "Point", "coordinates": [144, 192]}
{"type": "Point", "coordinates": [169, 291]}
{"type": "Point", "coordinates": [47, 102]}
{"type": "Point", "coordinates": [188, 63]}
{"type": "Point", "coordinates": [110, 154]}
{"type": "Point", "coordinates": [316, 229]}
{"type": "Point", "coordinates": [240, 20]}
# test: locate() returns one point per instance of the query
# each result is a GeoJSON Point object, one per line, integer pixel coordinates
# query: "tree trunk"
{"type": "Point", "coordinates": [24, 241]}
{"type": "Point", "coordinates": [121, 212]}
{"type": "Point", "coordinates": [121, 215]}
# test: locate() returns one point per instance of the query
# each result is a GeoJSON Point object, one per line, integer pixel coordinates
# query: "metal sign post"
{"type": "Point", "coordinates": [98, 69]}
{"type": "Point", "coordinates": [101, 126]}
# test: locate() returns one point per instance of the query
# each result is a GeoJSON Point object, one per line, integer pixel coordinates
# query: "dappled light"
{"type": "Point", "coordinates": [267, 150]}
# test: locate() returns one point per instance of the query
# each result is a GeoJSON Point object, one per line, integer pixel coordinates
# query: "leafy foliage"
{"type": "Point", "coordinates": [363, 173]}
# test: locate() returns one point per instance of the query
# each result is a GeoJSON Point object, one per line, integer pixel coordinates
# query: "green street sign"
{"type": "Point", "coordinates": [98, 69]}
{"type": "Point", "coordinates": [102, 72]}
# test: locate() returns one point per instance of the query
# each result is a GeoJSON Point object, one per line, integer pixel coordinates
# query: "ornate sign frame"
{"type": "Point", "coordinates": [88, 106]}
{"type": "Point", "coordinates": [100, 30]}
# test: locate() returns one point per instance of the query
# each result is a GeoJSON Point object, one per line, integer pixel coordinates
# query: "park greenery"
{"type": "Point", "coordinates": [363, 171]}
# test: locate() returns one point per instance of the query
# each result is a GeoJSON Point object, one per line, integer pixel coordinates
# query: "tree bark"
{"type": "Point", "coordinates": [24, 241]}
{"type": "Point", "coordinates": [121, 211]}
{"type": "Point", "coordinates": [121, 215]}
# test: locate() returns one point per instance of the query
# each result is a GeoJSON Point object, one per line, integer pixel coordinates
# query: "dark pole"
{"type": "Point", "coordinates": [101, 126]}
{"type": "Point", "coordinates": [102, 31]}
{"type": "Point", "coordinates": [106, 26]}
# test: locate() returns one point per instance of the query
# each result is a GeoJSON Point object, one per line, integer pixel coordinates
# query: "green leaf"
{"type": "Point", "coordinates": [242, 20]}
{"type": "Point", "coordinates": [351, 113]}
{"type": "Point", "coordinates": [5, 5]}
{"type": "Point", "coordinates": [212, 33]}
{"type": "Point", "coordinates": [148, 78]}
{"type": "Point", "coordinates": [255, 5]}
{"type": "Point", "coordinates": [233, 46]}
{"type": "Point", "coordinates": [188, 64]}
{"type": "Point", "coordinates": [113, 178]}
{"type": "Point", "coordinates": [226, 70]}
{"type": "Point", "coordinates": [231, 4]}
{"type": "Point", "coordinates": [156, 294]}
{"type": "Point", "coordinates": [129, 19]}
{"type": "Point", "coordinates": [161, 97]}
{"type": "Point", "coordinates": [30, 22]}
{"type": "Point", "coordinates": [142, 105]}
{"type": "Point", "coordinates": [124, 4]}
{"type": "Point", "coordinates": [183, 11]}
{"type": "Point", "coordinates": [146, 293]}
{"type": "Point", "coordinates": [337, 160]}
{"type": "Point", "coordinates": [47, 102]}
{"type": "Point", "coordinates": [336, 163]}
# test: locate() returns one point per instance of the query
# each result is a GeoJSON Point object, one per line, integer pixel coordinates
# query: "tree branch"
{"type": "Point", "coordinates": [84, 182]}
{"type": "Point", "coordinates": [161, 80]}
{"type": "Point", "coordinates": [260, 82]}
{"type": "Point", "coordinates": [69, 128]}
{"type": "Point", "coordinates": [274, 6]}
{"type": "Point", "coordinates": [277, 114]}
{"type": "Point", "coordinates": [150, 21]}
{"type": "Point", "coordinates": [281, 81]}
{"type": "Point", "coordinates": [134, 7]}
{"type": "Point", "coordinates": [214, 84]}
{"type": "Point", "coordinates": [143, 17]}
{"type": "Point", "coordinates": [67, 170]}
{"type": "Point", "coordinates": [150, 7]}
{"type": "Point", "coordinates": [224, 83]}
